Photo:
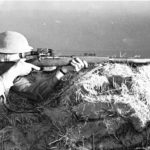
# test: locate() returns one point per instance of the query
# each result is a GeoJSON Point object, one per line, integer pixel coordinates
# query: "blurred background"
{"type": "Point", "coordinates": [106, 28]}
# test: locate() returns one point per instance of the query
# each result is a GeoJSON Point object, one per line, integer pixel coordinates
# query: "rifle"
{"type": "Point", "coordinates": [45, 59]}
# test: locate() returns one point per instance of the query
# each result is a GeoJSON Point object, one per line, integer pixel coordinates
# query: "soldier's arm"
{"type": "Point", "coordinates": [2, 90]}
{"type": "Point", "coordinates": [38, 87]}
{"type": "Point", "coordinates": [6, 82]}
{"type": "Point", "coordinates": [41, 88]}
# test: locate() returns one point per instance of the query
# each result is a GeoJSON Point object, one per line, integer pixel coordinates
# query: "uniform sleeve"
{"type": "Point", "coordinates": [38, 87]}
{"type": "Point", "coordinates": [44, 87]}
{"type": "Point", "coordinates": [2, 91]}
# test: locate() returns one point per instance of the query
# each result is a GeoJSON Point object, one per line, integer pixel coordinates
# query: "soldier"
{"type": "Point", "coordinates": [37, 86]}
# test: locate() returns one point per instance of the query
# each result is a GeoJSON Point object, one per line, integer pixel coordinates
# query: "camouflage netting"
{"type": "Point", "coordinates": [105, 107]}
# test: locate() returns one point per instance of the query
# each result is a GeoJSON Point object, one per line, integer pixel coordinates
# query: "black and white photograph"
{"type": "Point", "coordinates": [74, 75]}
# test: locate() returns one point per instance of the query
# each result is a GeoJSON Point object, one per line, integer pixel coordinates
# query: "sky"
{"type": "Point", "coordinates": [107, 28]}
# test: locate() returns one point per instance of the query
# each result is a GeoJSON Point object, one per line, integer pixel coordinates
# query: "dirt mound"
{"type": "Point", "coordinates": [105, 107]}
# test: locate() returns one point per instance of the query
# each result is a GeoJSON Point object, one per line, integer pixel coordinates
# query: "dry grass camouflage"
{"type": "Point", "coordinates": [101, 108]}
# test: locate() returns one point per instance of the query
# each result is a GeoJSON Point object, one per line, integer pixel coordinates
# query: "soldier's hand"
{"type": "Point", "coordinates": [22, 68]}
{"type": "Point", "coordinates": [76, 64]}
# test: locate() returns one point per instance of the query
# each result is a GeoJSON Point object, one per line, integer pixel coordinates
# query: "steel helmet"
{"type": "Point", "coordinates": [13, 42]}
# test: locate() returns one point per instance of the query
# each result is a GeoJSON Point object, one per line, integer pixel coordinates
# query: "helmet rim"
{"type": "Point", "coordinates": [14, 51]}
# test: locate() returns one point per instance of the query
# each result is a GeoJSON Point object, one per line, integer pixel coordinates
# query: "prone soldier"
{"type": "Point", "coordinates": [14, 46]}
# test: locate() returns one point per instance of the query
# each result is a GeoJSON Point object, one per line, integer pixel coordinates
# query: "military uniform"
{"type": "Point", "coordinates": [2, 90]}
{"type": "Point", "coordinates": [36, 86]}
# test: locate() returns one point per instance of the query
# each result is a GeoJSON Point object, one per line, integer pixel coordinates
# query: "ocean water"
{"type": "Point", "coordinates": [73, 28]}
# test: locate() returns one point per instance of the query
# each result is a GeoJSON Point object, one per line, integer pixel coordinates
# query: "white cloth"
{"type": "Point", "coordinates": [2, 91]}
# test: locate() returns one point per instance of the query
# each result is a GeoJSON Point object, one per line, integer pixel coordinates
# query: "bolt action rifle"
{"type": "Point", "coordinates": [46, 59]}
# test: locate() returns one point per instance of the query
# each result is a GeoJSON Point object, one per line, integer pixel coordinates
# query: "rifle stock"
{"type": "Point", "coordinates": [61, 61]}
